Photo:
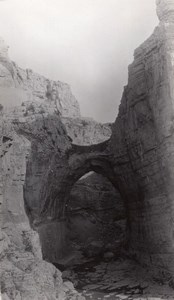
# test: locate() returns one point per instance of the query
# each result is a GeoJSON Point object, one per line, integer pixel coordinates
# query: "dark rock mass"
{"type": "Point", "coordinates": [96, 212]}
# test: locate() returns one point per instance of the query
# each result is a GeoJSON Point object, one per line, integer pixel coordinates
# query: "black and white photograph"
{"type": "Point", "coordinates": [87, 149]}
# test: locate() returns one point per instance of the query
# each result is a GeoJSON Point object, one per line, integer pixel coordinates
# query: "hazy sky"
{"type": "Point", "coordinates": [86, 43]}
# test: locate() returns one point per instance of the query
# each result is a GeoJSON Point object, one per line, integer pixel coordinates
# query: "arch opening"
{"type": "Point", "coordinates": [93, 226]}
{"type": "Point", "coordinates": [96, 217]}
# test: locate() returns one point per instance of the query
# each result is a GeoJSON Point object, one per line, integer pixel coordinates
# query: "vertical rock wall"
{"type": "Point", "coordinates": [143, 144]}
{"type": "Point", "coordinates": [23, 273]}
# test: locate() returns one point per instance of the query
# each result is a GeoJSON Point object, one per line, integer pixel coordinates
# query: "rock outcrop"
{"type": "Point", "coordinates": [142, 143]}
{"type": "Point", "coordinates": [31, 129]}
{"type": "Point", "coordinates": [86, 131]}
{"type": "Point", "coordinates": [18, 85]}
{"type": "Point", "coordinates": [24, 274]}
{"type": "Point", "coordinates": [165, 10]}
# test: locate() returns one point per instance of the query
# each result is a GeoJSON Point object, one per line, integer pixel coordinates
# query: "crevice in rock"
{"type": "Point", "coordinates": [6, 139]}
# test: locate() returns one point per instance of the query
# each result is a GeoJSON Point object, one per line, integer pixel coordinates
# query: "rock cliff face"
{"type": "Point", "coordinates": [37, 153]}
{"type": "Point", "coordinates": [143, 154]}
{"type": "Point", "coordinates": [18, 85]}
{"type": "Point", "coordinates": [165, 10]}
{"type": "Point", "coordinates": [32, 131]}
{"type": "Point", "coordinates": [24, 274]}
{"type": "Point", "coordinates": [138, 159]}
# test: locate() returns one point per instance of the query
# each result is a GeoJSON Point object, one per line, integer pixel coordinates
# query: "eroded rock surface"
{"type": "Point", "coordinates": [32, 138]}
{"type": "Point", "coordinates": [38, 154]}
{"type": "Point", "coordinates": [138, 159]}
{"type": "Point", "coordinates": [165, 10]}
{"type": "Point", "coordinates": [143, 153]}
{"type": "Point", "coordinates": [119, 279]}
{"type": "Point", "coordinates": [86, 131]}
{"type": "Point", "coordinates": [24, 274]}
{"type": "Point", "coordinates": [18, 85]}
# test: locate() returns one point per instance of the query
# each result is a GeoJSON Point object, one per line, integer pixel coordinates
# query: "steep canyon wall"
{"type": "Point", "coordinates": [33, 151]}
{"type": "Point", "coordinates": [38, 153]}
{"type": "Point", "coordinates": [143, 143]}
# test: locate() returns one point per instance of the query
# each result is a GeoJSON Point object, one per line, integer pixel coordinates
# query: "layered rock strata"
{"type": "Point", "coordinates": [24, 274]}
{"type": "Point", "coordinates": [143, 153]}
{"type": "Point", "coordinates": [138, 159]}
{"type": "Point", "coordinates": [32, 130]}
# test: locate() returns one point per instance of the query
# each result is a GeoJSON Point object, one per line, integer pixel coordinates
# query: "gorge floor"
{"type": "Point", "coordinates": [115, 280]}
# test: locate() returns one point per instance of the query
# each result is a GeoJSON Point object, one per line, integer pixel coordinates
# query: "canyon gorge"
{"type": "Point", "coordinates": [74, 191]}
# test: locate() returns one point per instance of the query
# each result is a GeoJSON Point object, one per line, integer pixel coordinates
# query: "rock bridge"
{"type": "Point", "coordinates": [50, 176]}
{"type": "Point", "coordinates": [138, 159]}
{"type": "Point", "coordinates": [60, 174]}
{"type": "Point", "coordinates": [39, 163]}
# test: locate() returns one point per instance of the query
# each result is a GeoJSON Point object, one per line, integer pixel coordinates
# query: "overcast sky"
{"type": "Point", "coordinates": [86, 43]}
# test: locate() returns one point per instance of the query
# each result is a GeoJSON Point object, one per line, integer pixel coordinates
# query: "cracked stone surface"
{"type": "Point", "coordinates": [117, 279]}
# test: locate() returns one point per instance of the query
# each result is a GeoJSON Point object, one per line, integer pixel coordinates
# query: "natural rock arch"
{"type": "Point", "coordinates": [140, 155]}
{"type": "Point", "coordinates": [95, 218]}
{"type": "Point", "coordinates": [140, 152]}
{"type": "Point", "coordinates": [56, 235]}
{"type": "Point", "coordinates": [81, 160]}
{"type": "Point", "coordinates": [59, 175]}
{"type": "Point", "coordinates": [46, 198]}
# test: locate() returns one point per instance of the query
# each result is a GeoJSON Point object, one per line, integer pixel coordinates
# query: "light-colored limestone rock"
{"type": "Point", "coordinates": [165, 10]}
{"type": "Point", "coordinates": [18, 85]}
{"type": "Point", "coordinates": [32, 107]}
{"type": "Point", "coordinates": [23, 273]}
